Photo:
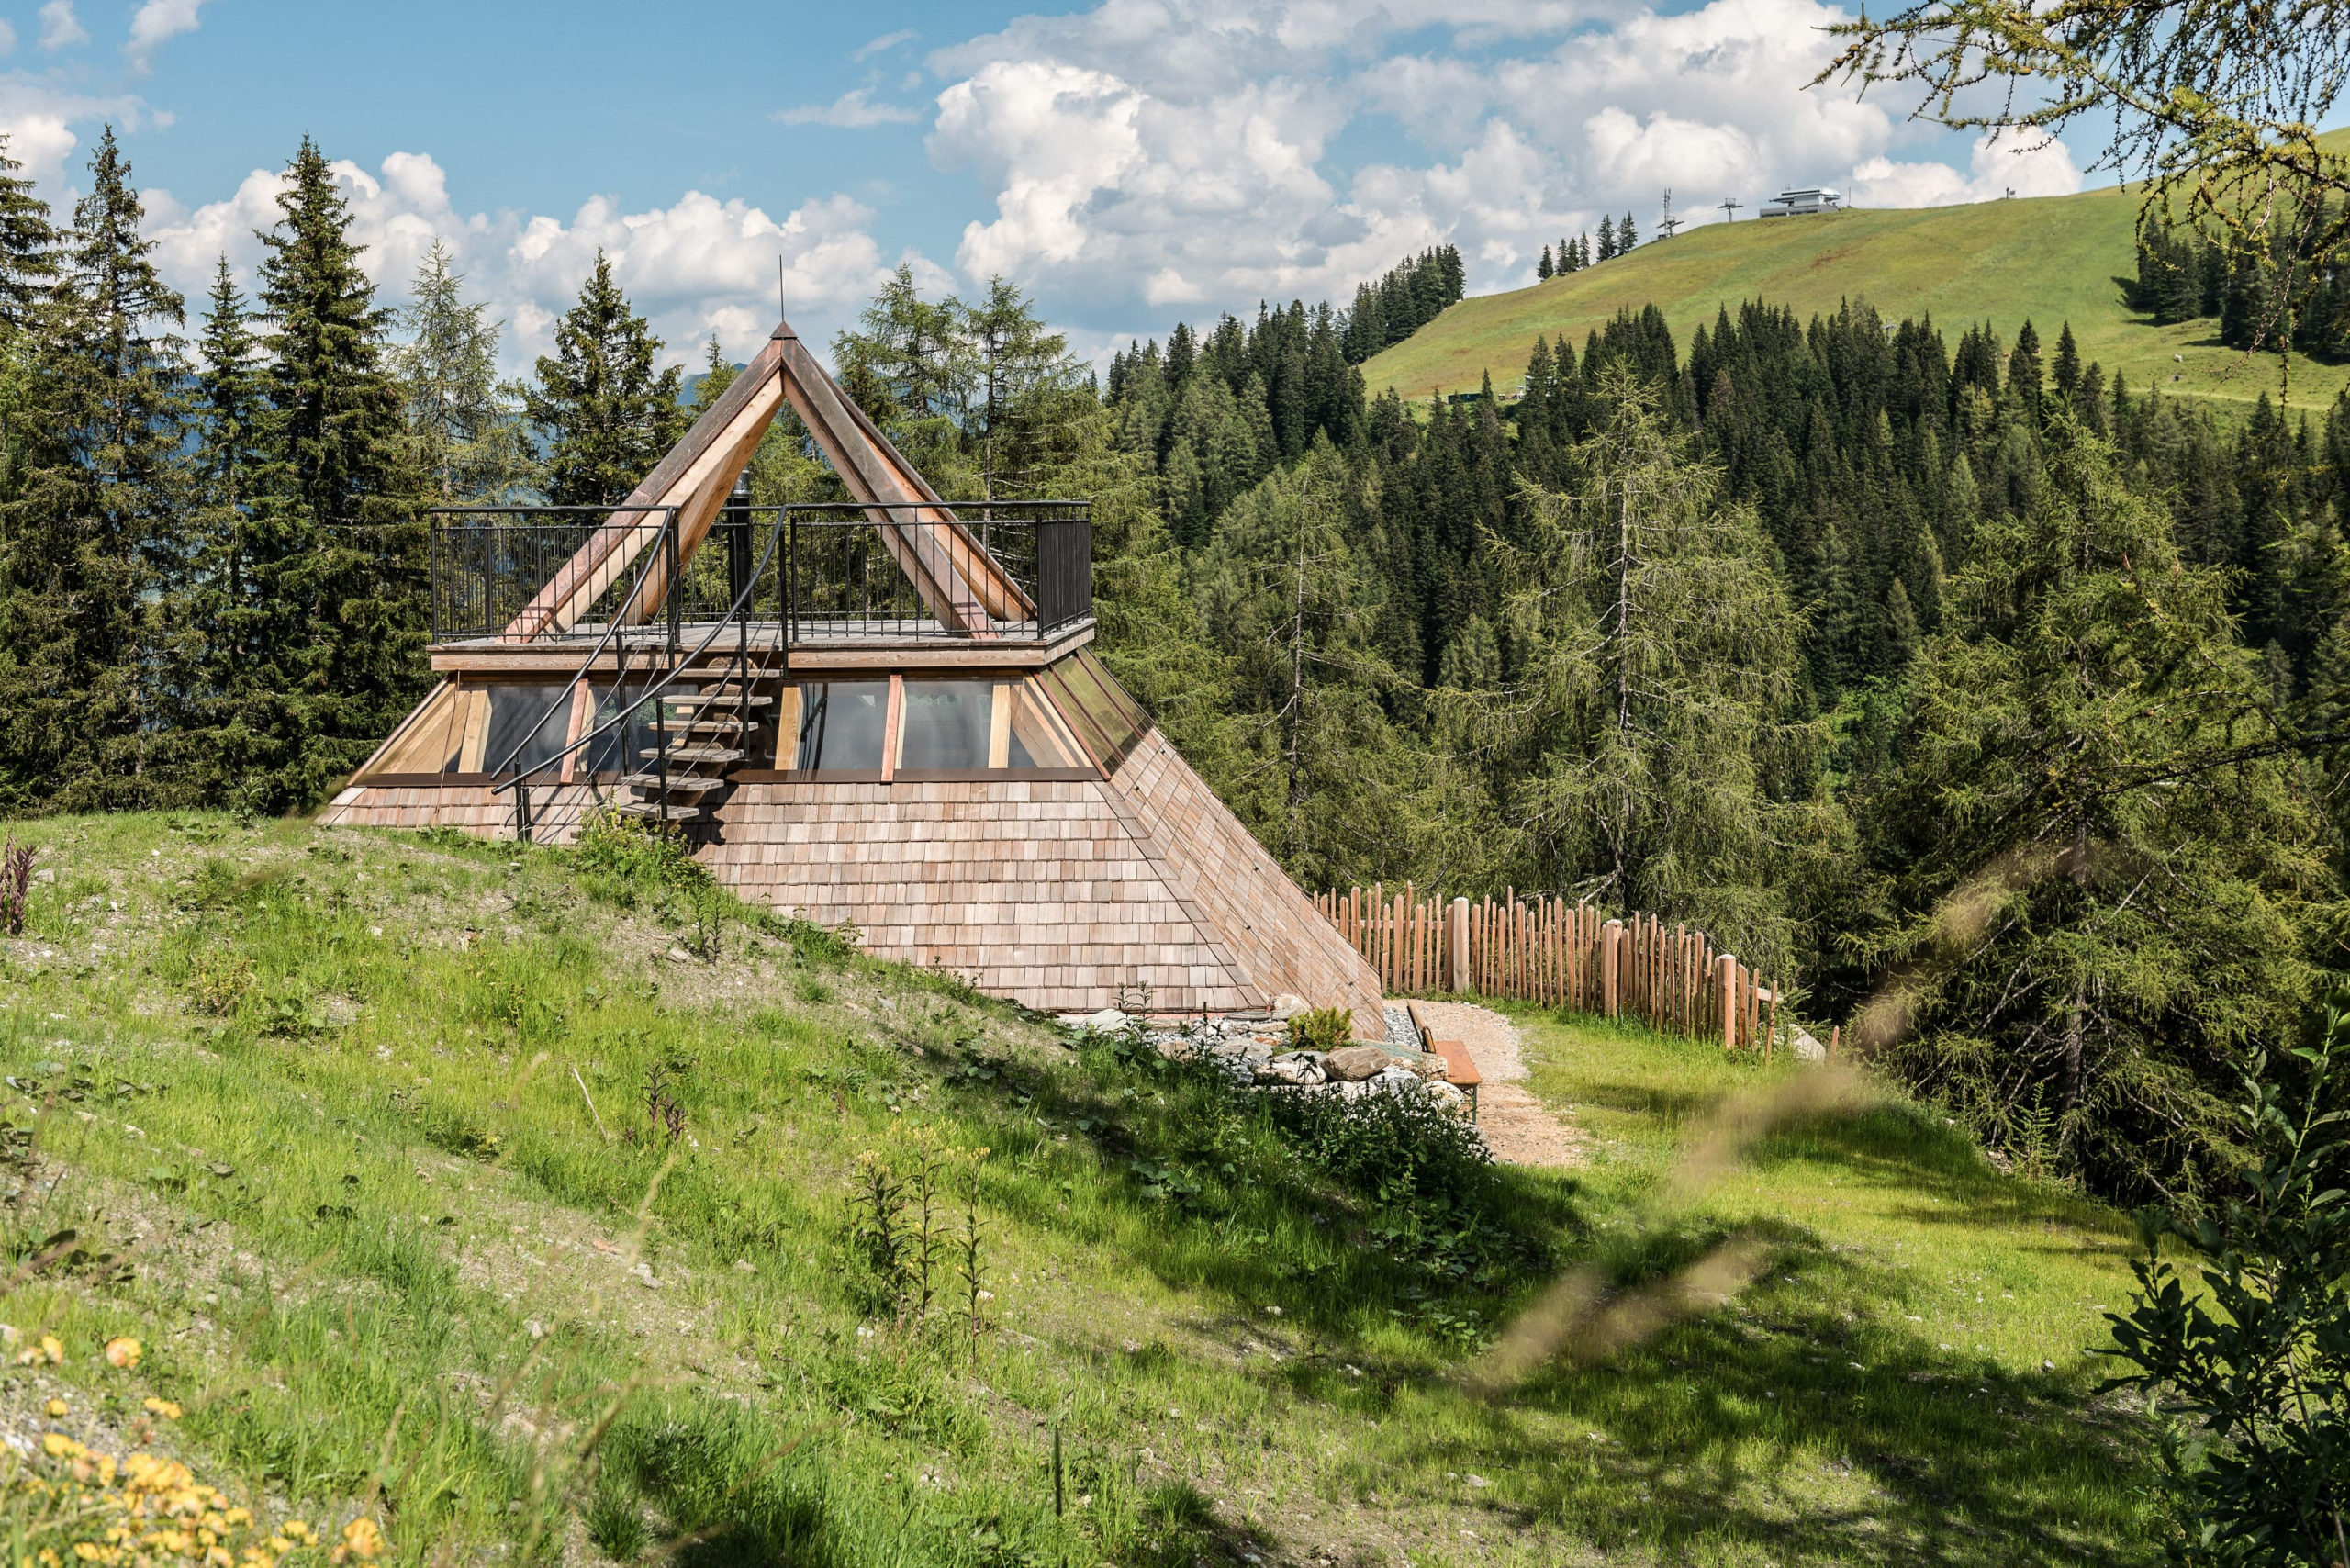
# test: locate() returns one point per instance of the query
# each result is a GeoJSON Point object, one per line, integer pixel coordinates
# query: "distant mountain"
{"type": "Point", "coordinates": [2050, 259]}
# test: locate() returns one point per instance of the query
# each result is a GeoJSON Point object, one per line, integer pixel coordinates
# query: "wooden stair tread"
{"type": "Point", "coordinates": [654, 810]}
{"type": "Point", "coordinates": [696, 754]}
{"type": "Point", "coordinates": [714, 699]}
{"type": "Point", "coordinates": [678, 784]}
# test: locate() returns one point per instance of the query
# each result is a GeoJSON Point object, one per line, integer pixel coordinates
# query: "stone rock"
{"type": "Point", "coordinates": [1808, 1048]}
{"type": "Point", "coordinates": [1301, 1069]}
{"type": "Point", "coordinates": [1396, 1077]}
{"type": "Point", "coordinates": [1445, 1095]}
{"type": "Point", "coordinates": [1109, 1021]}
{"type": "Point", "coordinates": [1286, 1007]}
{"type": "Point", "coordinates": [1352, 1064]}
{"type": "Point", "coordinates": [1428, 1065]}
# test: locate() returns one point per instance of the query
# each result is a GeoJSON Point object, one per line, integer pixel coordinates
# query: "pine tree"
{"type": "Point", "coordinates": [94, 570]}
{"type": "Point", "coordinates": [1542, 268]}
{"type": "Point", "coordinates": [465, 430]}
{"type": "Point", "coordinates": [27, 246]}
{"type": "Point", "coordinates": [1607, 238]}
{"type": "Point", "coordinates": [605, 416]}
{"type": "Point", "coordinates": [1626, 236]}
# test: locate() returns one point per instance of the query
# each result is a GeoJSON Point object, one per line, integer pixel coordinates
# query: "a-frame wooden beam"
{"type": "Point", "coordinates": [956, 578]}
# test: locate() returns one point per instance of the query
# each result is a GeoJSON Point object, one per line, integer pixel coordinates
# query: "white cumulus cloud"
{"type": "Point", "coordinates": [698, 265]}
{"type": "Point", "coordinates": [60, 28]}
{"type": "Point", "coordinates": [2001, 166]}
{"type": "Point", "coordinates": [155, 21]}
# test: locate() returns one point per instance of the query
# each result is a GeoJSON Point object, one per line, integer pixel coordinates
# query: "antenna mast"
{"type": "Point", "coordinates": [1668, 223]}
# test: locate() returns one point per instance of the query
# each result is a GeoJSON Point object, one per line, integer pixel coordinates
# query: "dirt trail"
{"type": "Point", "coordinates": [1520, 1130]}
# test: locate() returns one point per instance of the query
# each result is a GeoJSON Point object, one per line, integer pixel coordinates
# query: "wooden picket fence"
{"type": "Point", "coordinates": [1558, 954]}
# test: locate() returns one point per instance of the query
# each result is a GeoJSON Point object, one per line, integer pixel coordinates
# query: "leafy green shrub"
{"type": "Point", "coordinates": [635, 851]}
{"type": "Point", "coordinates": [2255, 1366]}
{"type": "Point", "coordinates": [1323, 1029]}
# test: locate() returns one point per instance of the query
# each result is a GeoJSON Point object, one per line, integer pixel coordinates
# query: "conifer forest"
{"type": "Point", "coordinates": [1793, 630]}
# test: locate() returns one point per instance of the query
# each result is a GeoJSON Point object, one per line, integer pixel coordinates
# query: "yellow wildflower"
{"type": "Point", "coordinates": [168, 1410]}
{"type": "Point", "coordinates": [123, 1351]}
{"type": "Point", "coordinates": [58, 1407]}
{"type": "Point", "coordinates": [59, 1446]}
{"type": "Point", "coordinates": [295, 1529]}
{"type": "Point", "coordinates": [50, 1348]}
{"type": "Point", "coordinates": [363, 1538]}
{"type": "Point", "coordinates": [238, 1516]}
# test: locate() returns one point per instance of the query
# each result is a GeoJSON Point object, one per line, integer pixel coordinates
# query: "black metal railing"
{"type": "Point", "coordinates": [488, 563]}
{"type": "Point", "coordinates": [820, 572]}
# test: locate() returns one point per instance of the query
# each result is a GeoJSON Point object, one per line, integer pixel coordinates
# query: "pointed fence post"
{"type": "Point", "coordinates": [1456, 942]}
{"type": "Point", "coordinates": [1727, 988]}
{"type": "Point", "coordinates": [1611, 957]}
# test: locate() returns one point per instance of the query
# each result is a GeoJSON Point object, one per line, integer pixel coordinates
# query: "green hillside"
{"type": "Point", "coordinates": [2050, 260]}
{"type": "Point", "coordinates": [504, 1204]}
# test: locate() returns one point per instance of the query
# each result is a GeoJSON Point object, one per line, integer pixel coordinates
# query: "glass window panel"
{"type": "Point", "coordinates": [519, 715]}
{"type": "Point", "coordinates": [841, 724]}
{"type": "Point", "coordinates": [431, 743]}
{"type": "Point", "coordinates": [1039, 739]}
{"type": "Point", "coordinates": [945, 723]}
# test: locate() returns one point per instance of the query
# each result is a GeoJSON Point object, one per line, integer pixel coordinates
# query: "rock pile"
{"type": "Point", "coordinates": [1255, 1052]}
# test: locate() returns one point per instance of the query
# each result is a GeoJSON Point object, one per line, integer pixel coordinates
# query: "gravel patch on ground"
{"type": "Point", "coordinates": [1518, 1129]}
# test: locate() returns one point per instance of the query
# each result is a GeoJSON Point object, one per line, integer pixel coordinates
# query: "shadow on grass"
{"type": "Point", "coordinates": [1790, 1424]}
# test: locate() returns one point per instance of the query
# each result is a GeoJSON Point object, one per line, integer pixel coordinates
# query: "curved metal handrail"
{"type": "Point", "coordinates": [651, 693]}
{"type": "Point", "coordinates": [619, 618]}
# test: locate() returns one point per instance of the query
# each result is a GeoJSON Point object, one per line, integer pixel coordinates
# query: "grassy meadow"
{"type": "Point", "coordinates": [2048, 260]}
{"type": "Point", "coordinates": [542, 1204]}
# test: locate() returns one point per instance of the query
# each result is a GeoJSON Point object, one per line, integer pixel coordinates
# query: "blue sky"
{"type": "Point", "coordinates": [1130, 162]}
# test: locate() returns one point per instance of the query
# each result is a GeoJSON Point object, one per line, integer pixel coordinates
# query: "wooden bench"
{"type": "Point", "coordinates": [1458, 1070]}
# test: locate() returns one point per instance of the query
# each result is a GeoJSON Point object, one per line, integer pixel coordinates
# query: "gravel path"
{"type": "Point", "coordinates": [1518, 1129]}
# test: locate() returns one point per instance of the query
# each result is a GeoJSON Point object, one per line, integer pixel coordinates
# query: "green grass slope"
{"type": "Point", "coordinates": [368, 1140]}
{"type": "Point", "coordinates": [2048, 260]}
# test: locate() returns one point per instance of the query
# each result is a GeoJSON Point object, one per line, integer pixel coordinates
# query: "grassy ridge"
{"type": "Point", "coordinates": [328, 1096]}
{"type": "Point", "coordinates": [2049, 259]}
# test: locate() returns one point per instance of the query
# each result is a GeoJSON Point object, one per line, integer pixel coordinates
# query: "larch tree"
{"type": "Point", "coordinates": [1649, 712]}
{"type": "Point", "coordinates": [604, 414]}
{"type": "Point", "coordinates": [2098, 856]}
{"type": "Point", "coordinates": [464, 426]}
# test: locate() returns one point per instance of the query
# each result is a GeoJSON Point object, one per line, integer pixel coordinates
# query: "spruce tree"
{"type": "Point", "coordinates": [334, 636]}
{"type": "Point", "coordinates": [604, 415]}
{"type": "Point", "coordinates": [2067, 369]}
{"type": "Point", "coordinates": [2024, 383]}
{"type": "Point", "coordinates": [27, 246]}
{"type": "Point", "coordinates": [1626, 236]}
{"type": "Point", "coordinates": [230, 622]}
{"type": "Point", "coordinates": [1607, 238]}
{"type": "Point", "coordinates": [96, 560]}
{"type": "Point", "coordinates": [1542, 268]}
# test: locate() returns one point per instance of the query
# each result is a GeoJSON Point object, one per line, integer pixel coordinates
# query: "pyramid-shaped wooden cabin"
{"type": "Point", "coordinates": [885, 711]}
